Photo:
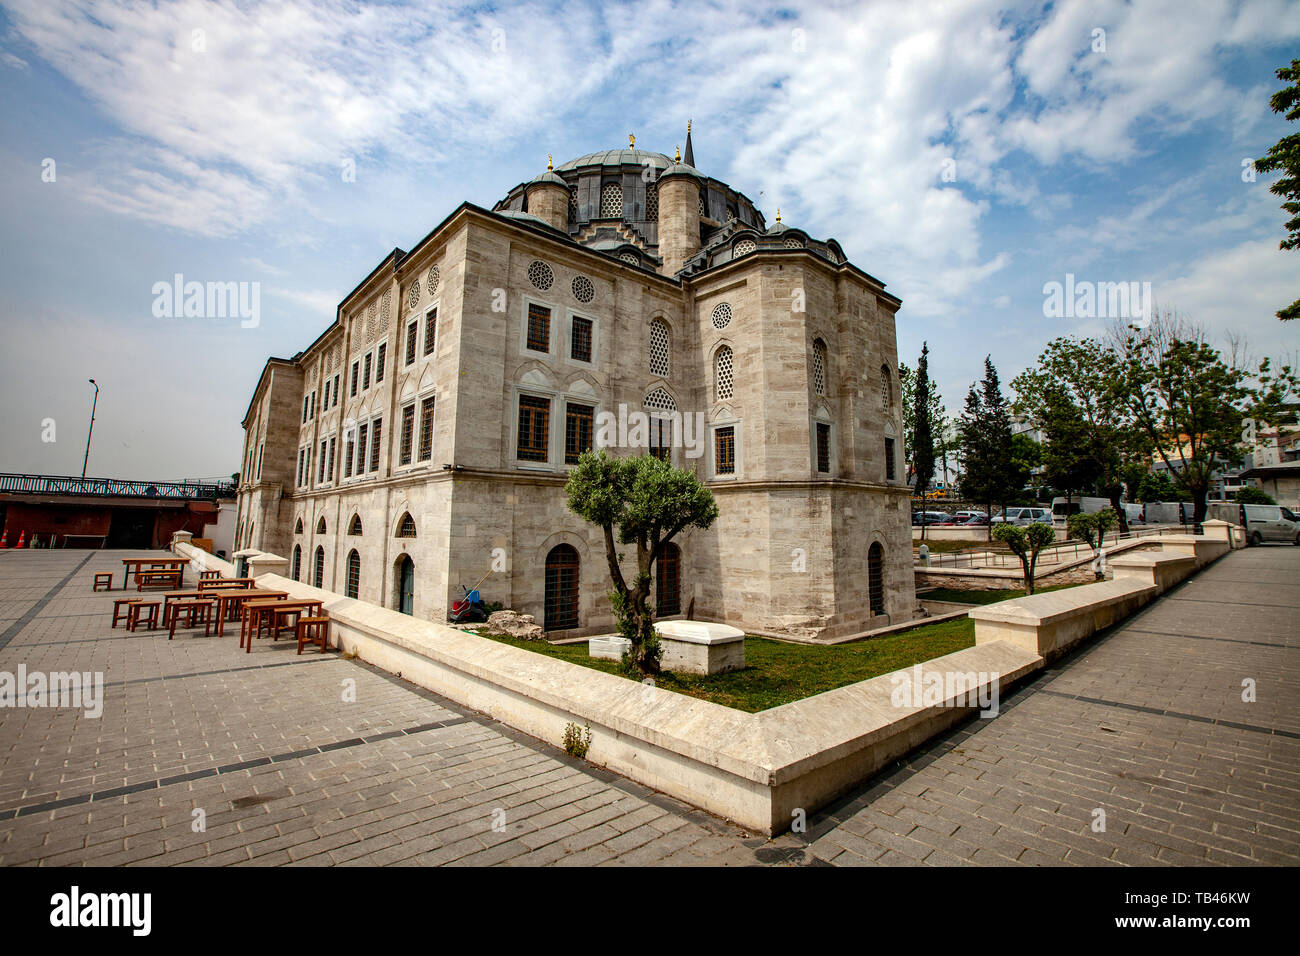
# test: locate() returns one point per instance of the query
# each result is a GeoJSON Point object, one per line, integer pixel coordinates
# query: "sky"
{"type": "Point", "coordinates": [965, 153]}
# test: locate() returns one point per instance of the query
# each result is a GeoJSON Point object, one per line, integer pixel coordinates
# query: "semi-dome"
{"type": "Point", "coordinates": [618, 157]}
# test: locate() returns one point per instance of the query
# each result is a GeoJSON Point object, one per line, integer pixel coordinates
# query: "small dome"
{"type": "Point", "coordinates": [680, 169]}
{"type": "Point", "coordinates": [619, 157]}
{"type": "Point", "coordinates": [550, 177]}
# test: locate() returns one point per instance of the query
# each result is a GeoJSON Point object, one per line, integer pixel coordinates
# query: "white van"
{"type": "Point", "coordinates": [1270, 523]}
{"type": "Point", "coordinates": [1076, 506]}
{"type": "Point", "coordinates": [1024, 516]}
{"type": "Point", "coordinates": [1134, 512]}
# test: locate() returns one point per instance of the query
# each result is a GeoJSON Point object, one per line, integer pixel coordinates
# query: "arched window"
{"type": "Point", "coordinates": [611, 201]}
{"type": "Point", "coordinates": [406, 527]}
{"type": "Point", "coordinates": [320, 526]}
{"type": "Point", "coordinates": [297, 529]}
{"type": "Point", "coordinates": [297, 560]}
{"type": "Point", "coordinates": [249, 543]}
{"type": "Point", "coordinates": [819, 367]}
{"type": "Point", "coordinates": [668, 592]}
{"type": "Point", "coordinates": [318, 572]}
{"type": "Point", "coordinates": [659, 348]}
{"type": "Point", "coordinates": [355, 526]}
{"type": "Point", "coordinates": [886, 389]}
{"type": "Point", "coordinates": [561, 605]}
{"type": "Point", "coordinates": [876, 578]}
{"type": "Point", "coordinates": [354, 573]}
{"type": "Point", "coordinates": [724, 367]}
{"type": "Point", "coordinates": [661, 407]}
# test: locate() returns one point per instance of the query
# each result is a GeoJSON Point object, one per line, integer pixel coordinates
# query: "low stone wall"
{"type": "Point", "coordinates": [756, 769]}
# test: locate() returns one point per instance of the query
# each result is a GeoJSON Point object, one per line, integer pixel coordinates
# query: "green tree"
{"type": "Point", "coordinates": [1284, 156]}
{"type": "Point", "coordinates": [922, 441]}
{"type": "Point", "coordinates": [646, 502]}
{"type": "Point", "coordinates": [1253, 496]}
{"type": "Point", "coordinates": [1190, 403]}
{"type": "Point", "coordinates": [1072, 397]}
{"type": "Point", "coordinates": [942, 437]}
{"type": "Point", "coordinates": [990, 473]}
{"type": "Point", "coordinates": [1025, 543]}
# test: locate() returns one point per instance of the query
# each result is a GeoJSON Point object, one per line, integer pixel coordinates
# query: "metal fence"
{"type": "Point", "coordinates": [15, 484]}
{"type": "Point", "coordinates": [1063, 553]}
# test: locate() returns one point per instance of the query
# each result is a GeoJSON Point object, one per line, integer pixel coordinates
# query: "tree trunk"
{"type": "Point", "coordinates": [1199, 508]}
{"type": "Point", "coordinates": [1119, 511]}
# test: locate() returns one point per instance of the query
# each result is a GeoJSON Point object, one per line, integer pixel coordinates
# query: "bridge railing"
{"type": "Point", "coordinates": [16, 484]}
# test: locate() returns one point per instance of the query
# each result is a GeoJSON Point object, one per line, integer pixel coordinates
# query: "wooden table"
{"type": "Point", "coordinates": [177, 564]}
{"type": "Point", "coordinates": [217, 583]}
{"type": "Point", "coordinates": [226, 597]}
{"type": "Point", "coordinates": [253, 609]}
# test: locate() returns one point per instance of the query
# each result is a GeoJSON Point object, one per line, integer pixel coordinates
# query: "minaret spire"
{"type": "Point", "coordinates": [690, 153]}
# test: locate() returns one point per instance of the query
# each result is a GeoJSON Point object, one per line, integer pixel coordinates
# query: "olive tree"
{"type": "Point", "coordinates": [1025, 543]}
{"type": "Point", "coordinates": [646, 502]}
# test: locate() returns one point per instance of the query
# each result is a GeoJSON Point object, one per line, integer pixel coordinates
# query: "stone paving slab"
{"type": "Point", "coordinates": [1146, 723]}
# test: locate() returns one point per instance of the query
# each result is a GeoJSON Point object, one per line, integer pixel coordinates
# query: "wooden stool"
{"type": "Point", "coordinates": [209, 575]}
{"type": "Point", "coordinates": [133, 614]}
{"type": "Point", "coordinates": [312, 630]}
{"type": "Point", "coordinates": [105, 580]}
{"type": "Point", "coordinates": [122, 608]}
{"type": "Point", "coordinates": [196, 613]}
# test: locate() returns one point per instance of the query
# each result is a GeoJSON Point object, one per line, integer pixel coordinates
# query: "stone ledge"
{"type": "Point", "coordinates": [1162, 571]}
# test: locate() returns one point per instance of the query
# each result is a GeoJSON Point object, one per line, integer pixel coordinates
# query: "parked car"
{"type": "Point", "coordinates": [1076, 506]}
{"type": "Point", "coordinates": [968, 513]}
{"type": "Point", "coordinates": [1270, 523]}
{"type": "Point", "coordinates": [1023, 516]}
{"type": "Point", "coordinates": [929, 517]}
{"type": "Point", "coordinates": [976, 521]}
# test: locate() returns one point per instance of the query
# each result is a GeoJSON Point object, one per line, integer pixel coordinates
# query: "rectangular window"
{"type": "Point", "coordinates": [375, 443]}
{"type": "Point", "coordinates": [412, 331]}
{"type": "Point", "coordinates": [661, 437]}
{"type": "Point", "coordinates": [329, 475]}
{"type": "Point", "coordinates": [320, 477]}
{"type": "Point", "coordinates": [365, 372]}
{"type": "Point", "coordinates": [356, 374]}
{"type": "Point", "coordinates": [347, 457]}
{"type": "Point", "coordinates": [580, 344]}
{"type": "Point", "coordinates": [306, 405]}
{"type": "Point", "coordinates": [534, 425]}
{"type": "Point", "coordinates": [313, 404]}
{"type": "Point", "coordinates": [361, 449]}
{"type": "Point", "coordinates": [325, 402]}
{"type": "Point", "coordinates": [724, 450]}
{"type": "Point", "coordinates": [823, 447]}
{"type": "Point", "coordinates": [539, 328]}
{"type": "Point", "coordinates": [408, 433]}
{"type": "Point", "coordinates": [380, 354]}
{"type": "Point", "coordinates": [299, 467]}
{"type": "Point", "coordinates": [336, 389]}
{"type": "Point", "coordinates": [430, 331]}
{"type": "Point", "coordinates": [577, 431]}
{"type": "Point", "coordinates": [889, 459]}
{"type": "Point", "coordinates": [426, 429]}
{"type": "Point", "coordinates": [260, 448]}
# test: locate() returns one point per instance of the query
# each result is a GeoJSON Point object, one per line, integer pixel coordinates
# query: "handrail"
{"type": "Point", "coordinates": [987, 557]}
{"type": "Point", "coordinates": [19, 484]}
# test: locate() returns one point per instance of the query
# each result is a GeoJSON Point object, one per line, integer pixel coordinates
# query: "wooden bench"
{"type": "Point", "coordinates": [103, 581]}
{"type": "Point", "coordinates": [155, 579]}
{"type": "Point", "coordinates": [195, 613]}
{"type": "Point", "coordinates": [312, 630]}
{"type": "Point", "coordinates": [121, 609]}
{"type": "Point", "coordinates": [146, 609]}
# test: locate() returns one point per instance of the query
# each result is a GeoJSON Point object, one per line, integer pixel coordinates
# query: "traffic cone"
{"type": "Point", "coordinates": [4, 539]}
{"type": "Point", "coordinates": [22, 539]}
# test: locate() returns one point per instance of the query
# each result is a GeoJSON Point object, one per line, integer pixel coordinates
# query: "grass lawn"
{"type": "Point", "coordinates": [777, 673]}
{"type": "Point", "coordinates": [983, 597]}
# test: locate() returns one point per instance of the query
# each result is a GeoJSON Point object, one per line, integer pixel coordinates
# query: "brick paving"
{"type": "Point", "coordinates": [1147, 724]}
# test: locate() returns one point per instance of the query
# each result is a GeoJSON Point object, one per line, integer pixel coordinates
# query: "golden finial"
{"type": "Point", "coordinates": [631, 141]}
{"type": "Point", "coordinates": [688, 126]}
{"type": "Point", "coordinates": [778, 213]}
{"type": "Point", "coordinates": [549, 163]}
{"type": "Point", "coordinates": [677, 154]}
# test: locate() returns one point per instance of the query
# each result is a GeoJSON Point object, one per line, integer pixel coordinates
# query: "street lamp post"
{"type": "Point", "coordinates": [93, 405]}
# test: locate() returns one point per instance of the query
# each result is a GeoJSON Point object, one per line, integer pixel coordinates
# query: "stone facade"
{"type": "Point", "coordinates": [784, 350]}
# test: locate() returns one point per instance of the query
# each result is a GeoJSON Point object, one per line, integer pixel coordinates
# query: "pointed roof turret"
{"type": "Point", "coordinates": [690, 153]}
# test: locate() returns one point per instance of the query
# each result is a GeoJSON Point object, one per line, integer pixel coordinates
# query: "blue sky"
{"type": "Point", "coordinates": [218, 154]}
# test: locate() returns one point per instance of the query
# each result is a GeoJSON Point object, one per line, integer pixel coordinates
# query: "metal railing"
{"type": "Point", "coordinates": [1066, 551]}
{"type": "Point", "coordinates": [15, 484]}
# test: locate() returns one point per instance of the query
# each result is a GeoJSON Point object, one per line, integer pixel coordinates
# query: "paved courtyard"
{"type": "Point", "coordinates": [1147, 724]}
